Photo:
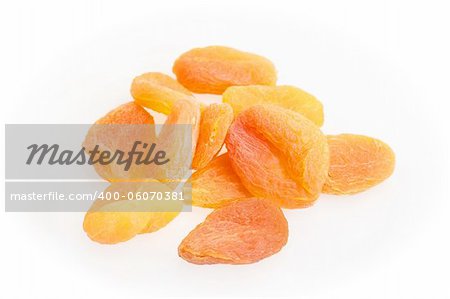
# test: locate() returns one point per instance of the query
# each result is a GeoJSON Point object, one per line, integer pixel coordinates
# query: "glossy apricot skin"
{"type": "Point", "coordinates": [242, 232]}
{"type": "Point", "coordinates": [217, 185]}
{"type": "Point", "coordinates": [158, 91]}
{"type": "Point", "coordinates": [215, 68]}
{"type": "Point", "coordinates": [357, 163]}
{"type": "Point", "coordinates": [290, 97]}
{"type": "Point", "coordinates": [278, 154]}
{"type": "Point", "coordinates": [214, 124]}
{"type": "Point", "coordinates": [111, 132]}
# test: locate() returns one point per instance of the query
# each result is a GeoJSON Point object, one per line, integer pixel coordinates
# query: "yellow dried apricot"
{"type": "Point", "coordinates": [157, 91]}
{"type": "Point", "coordinates": [109, 227]}
{"type": "Point", "coordinates": [217, 185]}
{"type": "Point", "coordinates": [214, 124]}
{"type": "Point", "coordinates": [290, 97]}
{"type": "Point", "coordinates": [178, 138]}
{"type": "Point", "coordinates": [242, 232]}
{"type": "Point", "coordinates": [213, 69]}
{"type": "Point", "coordinates": [357, 163]}
{"type": "Point", "coordinates": [114, 221]}
{"type": "Point", "coordinates": [278, 154]}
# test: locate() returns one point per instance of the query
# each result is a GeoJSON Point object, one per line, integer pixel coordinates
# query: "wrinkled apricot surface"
{"type": "Point", "coordinates": [217, 185]}
{"type": "Point", "coordinates": [157, 91]}
{"type": "Point", "coordinates": [213, 69]}
{"type": "Point", "coordinates": [242, 232]}
{"type": "Point", "coordinates": [214, 124]}
{"type": "Point", "coordinates": [357, 163]}
{"type": "Point", "coordinates": [290, 97]}
{"type": "Point", "coordinates": [118, 130]}
{"type": "Point", "coordinates": [126, 114]}
{"type": "Point", "coordinates": [278, 154]}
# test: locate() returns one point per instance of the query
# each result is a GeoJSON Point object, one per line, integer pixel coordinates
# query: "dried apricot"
{"type": "Point", "coordinates": [119, 130]}
{"type": "Point", "coordinates": [290, 97]}
{"type": "Point", "coordinates": [213, 69]}
{"type": "Point", "coordinates": [126, 114]}
{"type": "Point", "coordinates": [114, 221]}
{"type": "Point", "coordinates": [214, 124]}
{"type": "Point", "coordinates": [278, 154]}
{"type": "Point", "coordinates": [242, 232]}
{"type": "Point", "coordinates": [108, 227]}
{"type": "Point", "coordinates": [217, 185]}
{"type": "Point", "coordinates": [178, 138]}
{"type": "Point", "coordinates": [158, 91]}
{"type": "Point", "coordinates": [357, 163]}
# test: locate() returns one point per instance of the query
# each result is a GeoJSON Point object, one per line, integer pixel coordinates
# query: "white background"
{"type": "Point", "coordinates": [381, 68]}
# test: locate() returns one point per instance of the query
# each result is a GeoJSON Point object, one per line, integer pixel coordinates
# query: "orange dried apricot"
{"type": "Point", "coordinates": [278, 154]}
{"type": "Point", "coordinates": [118, 130]}
{"type": "Point", "coordinates": [213, 69]}
{"type": "Point", "coordinates": [217, 185]}
{"type": "Point", "coordinates": [242, 232]}
{"type": "Point", "coordinates": [126, 114]}
{"type": "Point", "coordinates": [114, 221]}
{"type": "Point", "coordinates": [357, 163]}
{"type": "Point", "coordinates": [214, 124]}
{"type": "Point", "coordinates": [157, 91]}
{"type": "Point", "coordinates": [290, 97]}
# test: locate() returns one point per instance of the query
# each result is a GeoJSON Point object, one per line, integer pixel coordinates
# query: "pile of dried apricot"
{"type": "Point", "coordinates": [276, 156]}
